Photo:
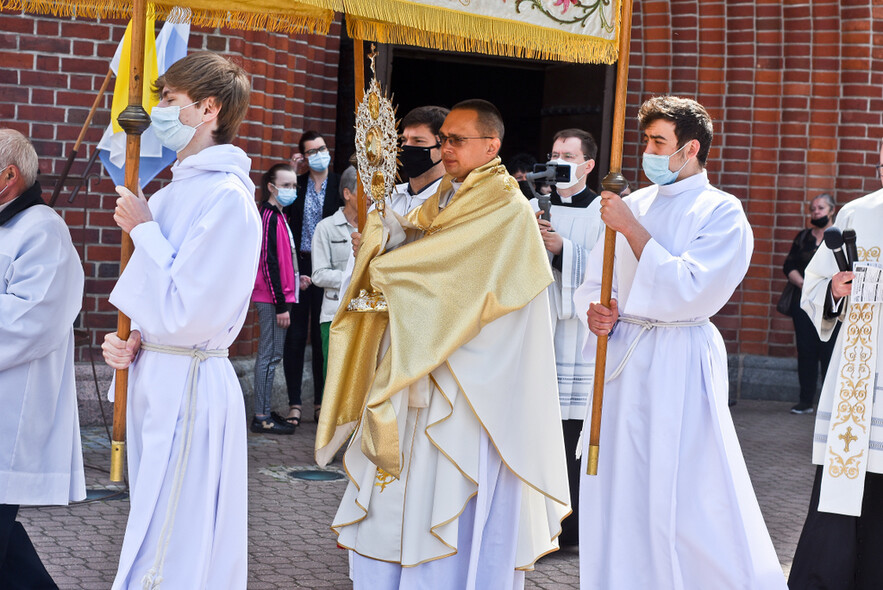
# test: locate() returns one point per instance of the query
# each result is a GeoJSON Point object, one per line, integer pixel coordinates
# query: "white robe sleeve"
{"type": "Point", "coordinates": [185, 297]}
{"type": "Point", "coordinates": [699, 281]}
{"type": "Point", "coordinates": [43, 295]}
{"type": "Point", "coordinates": [816, 279]}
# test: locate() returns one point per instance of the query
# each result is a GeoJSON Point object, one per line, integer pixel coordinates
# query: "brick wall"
{"type": "Point", "coordinates": [50, 72]}
{"type": "Point", "coordinates": [795, 92]}
{"type": "Point", "coordinates": [794, 88]}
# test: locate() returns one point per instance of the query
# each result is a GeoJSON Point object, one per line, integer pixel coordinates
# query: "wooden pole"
{"type": "Point", "coordinates": [613, 182]}
{"type": "Point", "coordinates": [73, 154]}
{"type": "Point", "coordinates": [134, 120]}
{"type": "Point", "coordinates": [359, 67]}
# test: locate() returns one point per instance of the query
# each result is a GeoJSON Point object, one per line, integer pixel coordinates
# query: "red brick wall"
{"type": "Point", "coordinates": [795, 92]}
{"type": "Point", "coordinates": [51, 70]}
{"type": "Point", "coordinates": [794, 88]}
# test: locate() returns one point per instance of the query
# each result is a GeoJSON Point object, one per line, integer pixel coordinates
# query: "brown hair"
{"type": "Point", "coordinates": [205, 75]}
{"type": "Point", "coordinates": [589, 147]}
{"type": "Point", "coordinates": [690, 118]}
{"type": "Point", "coordinates": [431, 116]}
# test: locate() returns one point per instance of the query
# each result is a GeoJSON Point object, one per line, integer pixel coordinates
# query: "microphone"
{"type": "Point", "coordinates": [834, 242]}
{"type": "Point", "coordinates": [849, 246]}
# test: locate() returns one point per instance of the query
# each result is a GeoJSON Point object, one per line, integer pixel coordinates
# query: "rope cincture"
{"type": "Point", "coordinates": [646, 325]}
{"type": "Point", "coordinates": [153, 578]}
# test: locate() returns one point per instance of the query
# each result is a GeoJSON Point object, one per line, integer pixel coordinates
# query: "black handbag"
{"type": "Point", "coordinates": [786, 299]}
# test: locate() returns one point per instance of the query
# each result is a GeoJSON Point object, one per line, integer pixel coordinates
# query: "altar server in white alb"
{"type": "Point", "coordinates": [672, 506]}
{"type": "Point", "coordinates": [187, 289]}
{"type": "Point", "coordinates": [569, 236]}
{"type": "Point", "coordinates": [842, 539]}
{"type": "Point", "coordinates": [41, 289]}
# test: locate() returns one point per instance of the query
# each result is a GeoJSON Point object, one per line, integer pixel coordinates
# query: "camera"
{"type": "Point", "coordinates": [551, 172]}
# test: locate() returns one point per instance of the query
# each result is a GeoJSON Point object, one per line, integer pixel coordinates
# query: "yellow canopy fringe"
{"type": "Point", "coordinates": [267, 15]}
{"type": "Point", "coordinates": [410, 23]}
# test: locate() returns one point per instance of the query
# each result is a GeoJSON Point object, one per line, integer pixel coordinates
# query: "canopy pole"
{"type": "Point", "coordinates": [614, 182]}
{"type": "Point", "coordinates": [134, 121]}
{"type": "Point", "coordinates": [359, 67]}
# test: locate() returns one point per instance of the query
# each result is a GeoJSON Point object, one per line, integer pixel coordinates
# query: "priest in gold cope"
{"type": "Point", "coordinates": [456, 467]}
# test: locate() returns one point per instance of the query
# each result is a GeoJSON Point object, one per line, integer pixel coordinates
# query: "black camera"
{"type": "Point", "coordinates": [551, 172]}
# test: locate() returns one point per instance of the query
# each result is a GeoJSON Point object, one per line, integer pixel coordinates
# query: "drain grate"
{"type": "Point", "coordinates": [98, 494]}
{"type": "Point", "coordinates": [316, 475]}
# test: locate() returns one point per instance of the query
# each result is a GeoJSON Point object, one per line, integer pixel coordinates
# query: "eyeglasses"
{"type": "Point", "coordinates": [556, 155]}
{"type": "Point", "coordinates": [879, 168]}
{"type": "Point", "coordinates": [315, 151]}
{"type": "Point", "coordinates": [457, 141]}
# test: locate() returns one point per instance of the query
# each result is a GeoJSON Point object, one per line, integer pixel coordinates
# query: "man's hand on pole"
{"type": "Point", "coordinates": [601, 319]}
{"type": "Point", "coordinates": [617, 216]}
{"type": "Point", "coordinates": [131, 210]}
{"type": "Point", "coordinates": [119, 353]}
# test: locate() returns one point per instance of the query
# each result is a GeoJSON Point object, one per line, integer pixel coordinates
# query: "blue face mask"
{"type": "Point", "coordinates": [169, 129]}
{"type": "Point", "coordinates": [286, 196]}
{"type": "Point", "coordinates": [657, 170]}
{"type": "Point", "coordinates": [319, 161]}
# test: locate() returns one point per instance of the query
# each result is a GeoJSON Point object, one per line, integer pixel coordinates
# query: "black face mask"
{"type": "Point", "coordinates": [820, 222]}
{"type": "Point", "coordinates": [416, 160]}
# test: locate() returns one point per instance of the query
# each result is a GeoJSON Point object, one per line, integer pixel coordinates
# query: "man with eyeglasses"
{"type": "Point", "coordinates": [447, 391]}
{"type": "Point", "coordinates": [842, 538]}
{"type": "Point", "coordinates": [569, 236]}
{"type": "Point", "coordinates": [317, 198]}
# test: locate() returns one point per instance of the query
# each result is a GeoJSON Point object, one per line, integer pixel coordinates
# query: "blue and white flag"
{"type": "Point", "coordinates": [171, 45]}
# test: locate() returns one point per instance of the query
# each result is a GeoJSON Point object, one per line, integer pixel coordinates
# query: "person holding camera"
{"type": "Point", "coordinates": [569, 235]}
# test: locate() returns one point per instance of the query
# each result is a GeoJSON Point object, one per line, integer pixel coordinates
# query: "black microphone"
{"type": "Point", "coordinates": [849, 246]}
{"type": "Point", "coordinates": [834, 242]}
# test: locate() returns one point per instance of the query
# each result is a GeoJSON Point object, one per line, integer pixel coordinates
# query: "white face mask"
{"type": "Point", "coordinates": [573, 177]}
{"type": "Point", "coordinates": [169, 129]}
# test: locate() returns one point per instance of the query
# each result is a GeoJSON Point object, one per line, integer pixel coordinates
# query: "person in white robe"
{"type": "Point", "coordinates": [842, 537]}
{"type": "Point", "coordinates": [672, 506]}
{"type": "Point", "coordinates": [187, 289]}
{"type": "Point", "coordinates": [41, 292]}
{"type": "Point", "coordinates": [448, 399]}
{"type": "Point", "coordinates": [569, 236]}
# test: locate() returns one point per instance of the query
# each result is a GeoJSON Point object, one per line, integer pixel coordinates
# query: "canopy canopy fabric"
{"type": "Point", "coordinates": [584, 31]}
{"type": "Point", "coordinates": [267, 15]}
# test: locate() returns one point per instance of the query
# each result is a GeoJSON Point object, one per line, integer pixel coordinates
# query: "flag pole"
{"type": "Point", "coordinates": [134, 121]}
{"type": "Point", "coordinates": [614, 182]}
{"type": "Point", "coordinates": [76, 149]}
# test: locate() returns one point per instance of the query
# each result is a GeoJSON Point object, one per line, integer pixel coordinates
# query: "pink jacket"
{"type": "Point", "coordinates": [276, 281]}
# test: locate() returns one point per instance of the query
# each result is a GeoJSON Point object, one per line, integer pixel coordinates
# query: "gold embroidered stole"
{"type": "Point", "coordinates": [479, 258]}
{"type": "Point", "coordinates": [849, 431]}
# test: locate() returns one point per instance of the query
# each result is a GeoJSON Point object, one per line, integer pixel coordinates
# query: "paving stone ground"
{"type": "Point", "coordinates": [291, 545]}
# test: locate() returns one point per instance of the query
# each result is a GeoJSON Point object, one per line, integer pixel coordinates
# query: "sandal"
{"type": "Point", "coordinates": [294, 413]}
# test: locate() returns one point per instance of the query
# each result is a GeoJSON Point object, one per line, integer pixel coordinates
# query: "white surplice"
{"type": "Point", "coordinates": [41, 292]}
{"type": "Point", "coordinates": [865, 216]}
{"type": "Point", "coordinates": [467, 512]}
{"type": "Point", "coordinates": [672, 506]}
{"type": "Point", "coordinates": [188, 284]}
{"type": "Point", "coordinates": [579, 228]}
